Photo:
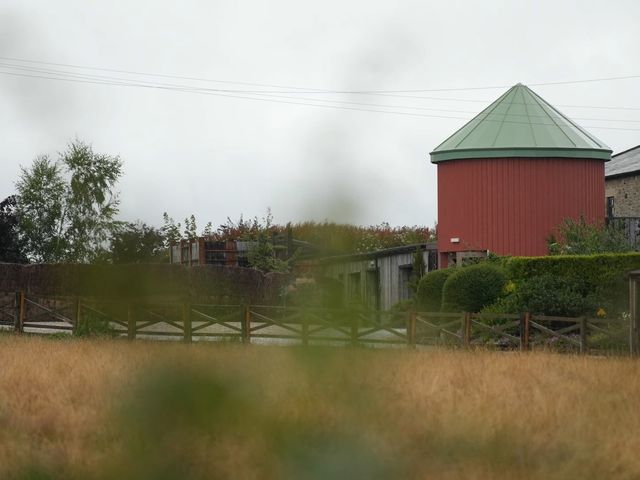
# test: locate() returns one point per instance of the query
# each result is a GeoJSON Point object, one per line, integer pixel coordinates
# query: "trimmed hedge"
{"type": "Point", "coordinates": [594, 269]}
{"type": "Point", "coordinates": [472, 288]}
{"type": "Point", "coordinates": [429, 291]}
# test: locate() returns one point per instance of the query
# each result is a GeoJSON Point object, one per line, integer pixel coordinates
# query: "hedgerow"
{"type": "Point", "coordinates": [569, 285]}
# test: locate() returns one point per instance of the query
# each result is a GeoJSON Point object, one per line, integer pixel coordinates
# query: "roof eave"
{"type": "Point", "coordinates": [555, 152]}
{"type": "Point", "coordinates": [613, 176]}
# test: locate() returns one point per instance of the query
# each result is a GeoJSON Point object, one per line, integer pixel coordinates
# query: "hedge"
{"type": "Point", "coordinates": [599, 279]}
{"type": "Point", "coordinates": [591, 268]}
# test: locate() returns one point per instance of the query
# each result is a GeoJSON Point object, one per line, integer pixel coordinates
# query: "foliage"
{"type": "Point", "coordinates": [418, 269]}
{"type": "Point", "coordinates": [137, 243]}
{"type": "Point", "coordinates": [547, 295]}
{"type": "Point", "coordinates": [330, 238]}
{"type": "Point", "coordinates": [325, 238]}
{"type": "Point", "coordinates": [10, 248]}
{"type": "Point", "coordinates": [600, 281]}
{"type": "Point", "coordinates": [94, 327]}
{"type": "Point", "coordinates": [399, 312]}
{"type": "Point", "coordinates": [170, 230]}
{"type": "Point", "coordinates": [582, 238]}
{"type": "Point", "coordinates": [262, 256]}
{"type": "Point", "coordinates": [340, 238]}
{"type": "Point", "coordinates": [172, 233]}
{"type": "Point", "coordinates": [67, 207]}
{"type": "Point", "coordinates": [315, 292]}
{"type": "Point", "coordinates": [470, 289]}
{"type": "Point", "coordinates": [429, 291]}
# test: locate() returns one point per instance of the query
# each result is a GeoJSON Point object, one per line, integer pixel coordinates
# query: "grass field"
{"type": "Point", "coordinates": [89, 409]}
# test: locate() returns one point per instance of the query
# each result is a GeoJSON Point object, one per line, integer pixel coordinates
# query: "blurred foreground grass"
{"type": "Point", "coordinates": [89, 409]}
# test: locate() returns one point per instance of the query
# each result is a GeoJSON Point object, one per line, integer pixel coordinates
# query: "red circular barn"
{"type": "Point", "coordinates": [511, 175]}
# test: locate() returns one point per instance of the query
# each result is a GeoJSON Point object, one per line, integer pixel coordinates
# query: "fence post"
{"type": "Point", "coordinates": [246, 324]}
{"type": "Point", "coordinates": [411, 334]}
{"type": "Point", "coordinates": [584, 346]}
{"type": "Point", "coordinates": [131, 322]}
{"type": "Point", "coordinates": [466, 332]}
{"type": "Point", "coordinates": [18, 325]}
{"type": "Point", "coordinates": [186, 322]}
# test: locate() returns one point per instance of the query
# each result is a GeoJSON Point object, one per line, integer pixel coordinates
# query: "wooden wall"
{"type": "Point", "coordinates": [388, 276]}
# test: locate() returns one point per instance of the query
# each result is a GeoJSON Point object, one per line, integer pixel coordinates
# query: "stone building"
{"type": "Point", "coordinates": [622, 184]}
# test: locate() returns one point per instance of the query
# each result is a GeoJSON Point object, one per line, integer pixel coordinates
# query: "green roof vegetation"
{"type": "Point", "coordinates": [520, 124]}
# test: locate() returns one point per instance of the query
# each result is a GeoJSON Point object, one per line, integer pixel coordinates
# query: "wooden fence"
{"type": "Point", "coordinates": [186, 321]}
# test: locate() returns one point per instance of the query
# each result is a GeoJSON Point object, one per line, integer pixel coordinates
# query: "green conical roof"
{"type": "Point", "coordinates": [520, 124]}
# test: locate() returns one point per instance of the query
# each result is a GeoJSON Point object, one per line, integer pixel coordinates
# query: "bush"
{"type": "Point", "coordinates": [551, 295]}
{"type": "Point", "coordinates": [429, 292]}
{"type": "Point", "coordinates": [580, 238]}
{"type": "Point", "coordinates": [470, 289]}
{"type": "Point", "coordinates": [599, 280]}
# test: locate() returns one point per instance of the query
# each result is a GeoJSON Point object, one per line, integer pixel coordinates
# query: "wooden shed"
{"type": "Point", "coordinates": [378, 279]}
{"type": "Point", "coordinates": [512, 174]}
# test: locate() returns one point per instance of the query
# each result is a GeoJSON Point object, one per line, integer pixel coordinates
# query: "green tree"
{"type": "Point", "coordinates": [10, 247]}
{"type": "Point", "coordinates": [418, 270]}
{"type": "Point", "coordinates": [67, 207]}
{"type": "Point", "coordinates": [170, 230]}
{"type": "Point", "coordinates": [262, 256]}
{"type": "Point", "coordinates": [138, 243]}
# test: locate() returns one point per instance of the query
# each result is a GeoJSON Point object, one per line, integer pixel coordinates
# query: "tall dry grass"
{"type": "Point", "coordinates": [109, 409]}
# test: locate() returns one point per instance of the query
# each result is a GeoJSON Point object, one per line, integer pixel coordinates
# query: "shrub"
{"type": "Point", "coordinates": [552, 295]}
{"type": "Point", "coordinates": [579, 238]}
{"type": "Point", "coordinates": [599, 280]}
{"type": "Point", "coordinates": [429, 292]}
{"type": "Point", "coordinates": [472, 288]}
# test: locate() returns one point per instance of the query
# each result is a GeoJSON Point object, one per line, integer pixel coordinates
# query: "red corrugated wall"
{"type": "Point", "coordinates": [510, 205]}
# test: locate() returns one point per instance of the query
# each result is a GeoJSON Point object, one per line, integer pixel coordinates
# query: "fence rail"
{"type": "Point", "coordinates": [189, 322]}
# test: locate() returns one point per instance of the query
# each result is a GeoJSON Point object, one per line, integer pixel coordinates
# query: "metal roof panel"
{"type": "Point", "coordinates": [520, 120]}
{"type": "Point", "coordinates": [623, 163]}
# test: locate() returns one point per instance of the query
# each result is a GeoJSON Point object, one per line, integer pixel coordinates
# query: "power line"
{"type": "Point", "coordinates": [184, 89]}
{"type": "Point", "coordinates": [315, 90]}
{"type": "Point", "coordinates": [128, 82]}
{"type": "Point", "coordinates": [404, 107]}
{"type": "Point", "coordinates": [303, 90]}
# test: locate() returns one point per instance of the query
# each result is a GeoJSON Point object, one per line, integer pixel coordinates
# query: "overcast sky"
{"type": "Point", "coordinates": [220, 156]}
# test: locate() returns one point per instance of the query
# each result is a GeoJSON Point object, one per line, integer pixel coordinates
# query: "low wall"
{"type": "Point", "coordinates": [211, 283]}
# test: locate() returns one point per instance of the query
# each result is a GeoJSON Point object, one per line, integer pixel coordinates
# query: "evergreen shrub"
{"type": "Point", "coordinates": [429, 292]}
{"type": "Point", "coordinates": [570, 285]}
{"type": "Point", "coordinates": [472, 288]}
